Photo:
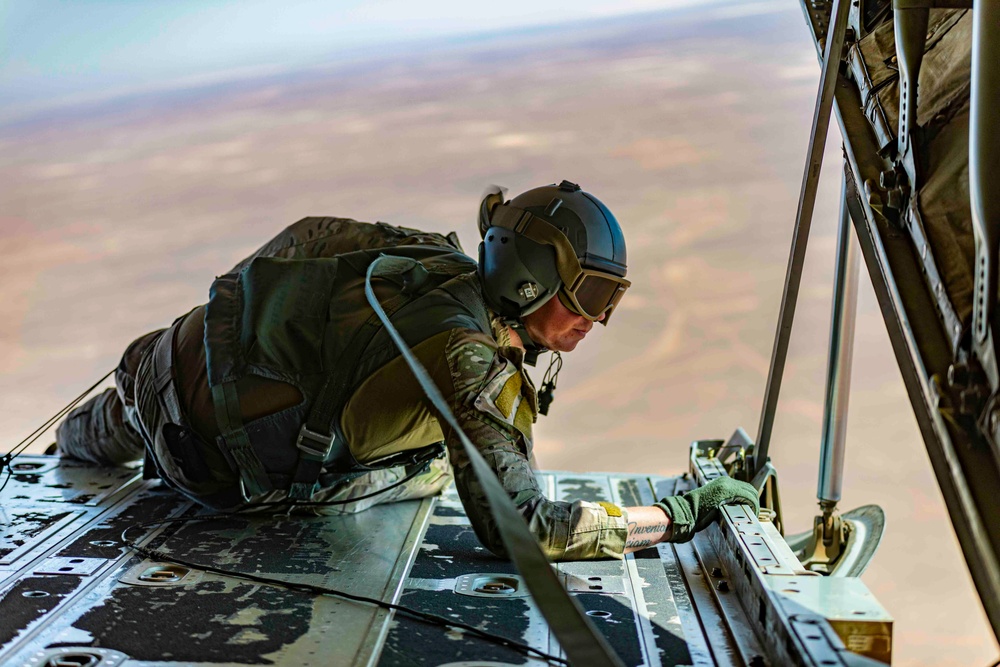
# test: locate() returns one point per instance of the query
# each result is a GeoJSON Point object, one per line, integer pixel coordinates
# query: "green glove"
{"type": "Point", "coordinates": [696, 509]}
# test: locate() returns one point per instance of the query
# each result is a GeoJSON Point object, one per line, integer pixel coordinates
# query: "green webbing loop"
{"type": "Point", "coordinates": [237, 442]}
{"type": "Point", "coordinates": [574, 631]}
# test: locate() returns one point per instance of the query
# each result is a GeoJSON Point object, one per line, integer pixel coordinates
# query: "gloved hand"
{"type": "Point", "coordinates": [696, 509]}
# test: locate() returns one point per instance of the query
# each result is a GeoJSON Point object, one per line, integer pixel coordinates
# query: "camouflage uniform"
{"type": "Point", "coordinates": [480, 374]}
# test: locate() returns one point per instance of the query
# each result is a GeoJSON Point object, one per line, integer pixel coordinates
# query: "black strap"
{"type": "Point", "coordinates": [235, 441]}
{"type": "Point", "coordinates": [465, 293]}
{"type": "Point", "coordinates": [163, 373]}
{"type": "Point", "coordinates": [165, 389]}
{"type": "Point", "coordinates": [318, 435]}
{"type": "Point", "coordinates": [576, 634]}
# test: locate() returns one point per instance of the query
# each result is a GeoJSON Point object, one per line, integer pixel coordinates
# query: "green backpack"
{"type": "Point", "coordinates": [307, 322]}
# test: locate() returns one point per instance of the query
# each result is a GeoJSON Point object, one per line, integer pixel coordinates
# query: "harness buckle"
{"type": "Point", "coordinates": [314, 446]}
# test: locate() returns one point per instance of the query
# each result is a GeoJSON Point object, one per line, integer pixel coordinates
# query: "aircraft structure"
{"type": "Point", "coordinates": [100, 568]}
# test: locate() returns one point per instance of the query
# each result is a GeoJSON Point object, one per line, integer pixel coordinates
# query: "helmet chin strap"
{"type": "Point", "coordinates": [531, 352]}
{"type": "Point", "coordinates": [531, 348]}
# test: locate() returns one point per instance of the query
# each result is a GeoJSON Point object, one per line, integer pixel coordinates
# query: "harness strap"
{"type": "Point", "coordinates": [577, 636]}
{"type": "Point", "coordinates": [317, 437]}
{"type": "Point", "coordinates": [235, 441]}
{"type": "Point", "coordinates": [163, 373]}
{"type": "Point", "coordinates": [463, 292]}
{"type": "Point", "coordinates": [164, 387]}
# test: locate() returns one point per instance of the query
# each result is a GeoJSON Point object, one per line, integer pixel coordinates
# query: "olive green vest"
{"type": "Point", "coordinates": [307, 322]}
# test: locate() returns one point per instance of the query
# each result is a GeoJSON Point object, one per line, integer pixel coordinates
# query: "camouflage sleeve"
{"type": "Point", "coordinates": [314, 237]}
{"type": "Point", "coordinates": [495, 405]}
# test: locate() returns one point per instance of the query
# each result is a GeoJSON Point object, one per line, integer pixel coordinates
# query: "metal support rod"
{"type": "Point", "coordinates": [803, 220]}
{"type": "Point", "coordinates": [911, 37]}
{"type": "Point", "coordinates": [838, 370]}
{"type": "Point", "coordinates": [984, 177]}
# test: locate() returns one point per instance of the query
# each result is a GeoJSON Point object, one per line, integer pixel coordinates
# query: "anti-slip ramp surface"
{"type": "Point", "coordinates": [73, 592]}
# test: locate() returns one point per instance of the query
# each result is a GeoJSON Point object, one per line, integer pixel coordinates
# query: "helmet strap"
{"type": "Point", "coordinates": [549, 383]}
{"type": "Point", "coordinates": [531, 348]}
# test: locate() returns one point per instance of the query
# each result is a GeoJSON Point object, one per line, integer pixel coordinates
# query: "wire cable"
{"type": "Point", "coordinates": [19, 448]}
{"type": "Point", "coordinates": [34, 435]}
{"type": "Point", "coordinates": [549, 380]}
{"type": "Point", "coordinates": [433, 619]}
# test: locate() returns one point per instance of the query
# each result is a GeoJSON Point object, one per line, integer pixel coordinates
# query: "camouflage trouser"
{"type": "Point", "coordinates": [120, 424]}
{"type": "Point", "coordinates": [430, 482]}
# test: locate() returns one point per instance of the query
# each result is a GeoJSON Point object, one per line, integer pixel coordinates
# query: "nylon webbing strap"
{"type": "Point", "coordinates": [163, 374]}
{"type": "Point", "coordinates": [317, 437]}
{"type": "Point", "coordinates": [465, 293]}
{"type": "Point", "coordinates": [526, 223]}
{"type": "Point", "coordinates": [541, 231]}
{"type": "Point", "coordinates": [576, 634]}
{"type": "Point", "coordinates": [236, 442]}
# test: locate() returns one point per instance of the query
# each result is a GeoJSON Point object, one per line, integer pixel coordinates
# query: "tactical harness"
{"type": "Point", "coordinates": [277, 317]}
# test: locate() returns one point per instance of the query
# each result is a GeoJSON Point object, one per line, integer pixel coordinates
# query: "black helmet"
{"type": "Point", "coordinates": [555, 239]}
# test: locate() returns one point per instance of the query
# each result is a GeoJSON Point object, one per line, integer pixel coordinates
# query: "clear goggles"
{"type": "Point", "coordinates": [587, 292]}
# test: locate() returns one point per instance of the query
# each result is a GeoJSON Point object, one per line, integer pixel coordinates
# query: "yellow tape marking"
{"type": "Point", "coordinates": [523, 420]}
{"type": "Point", "coordinates": [611, 509]}
{"type": "Point", "coordinates": [510, 391]}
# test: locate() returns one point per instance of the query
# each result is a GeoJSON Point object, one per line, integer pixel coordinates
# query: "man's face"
{"type": "Point", "coordinates": [556, 327]}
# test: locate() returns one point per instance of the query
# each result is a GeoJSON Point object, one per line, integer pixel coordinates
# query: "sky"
{"type": "Point", "coordinates": [146, 147]}
{"type": "Point", "coordinates": [58, 52]}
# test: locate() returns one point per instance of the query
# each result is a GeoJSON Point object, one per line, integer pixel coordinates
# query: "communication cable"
{"type": "Point", "coordinates": [426, 617]}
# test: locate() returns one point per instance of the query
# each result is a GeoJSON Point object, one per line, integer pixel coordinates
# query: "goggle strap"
{"type": "Point", "coordinates": [541, 231]}
{"type": "Point", "coordinates": [512, 218]}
